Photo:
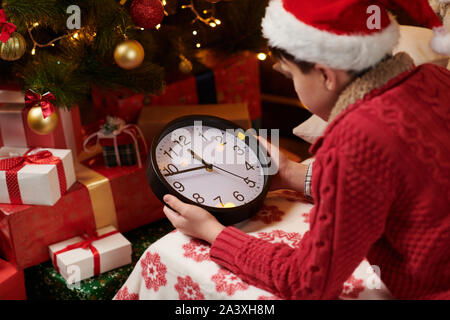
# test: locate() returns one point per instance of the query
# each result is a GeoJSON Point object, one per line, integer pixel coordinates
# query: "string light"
{"type": "Point", "coordinates": [210, 21]}
{"type": "Point", "coordinates": [198, 45]}
{"type": "Point", "coordinates": [36, 44]}
{"type": "Point", "coordinates": [194, 32]}
{"type": "Point", "coordinates": [261, 56]}
{"type": "Point", "coordinates": [158, 27]}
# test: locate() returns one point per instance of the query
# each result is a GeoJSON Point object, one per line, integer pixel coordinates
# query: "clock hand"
{"type": "Point", "coordinates": [214, 166]}
{"type": "Point", "coordinates": [187, 170]}
{"type": "Point", "coordinates": [208, 165]}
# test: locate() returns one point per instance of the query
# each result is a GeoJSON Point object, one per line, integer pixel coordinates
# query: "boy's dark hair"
{"type": "Point", "coordinates": [281, 54]}
{"type": "Point", "coordinates": [304, 66]}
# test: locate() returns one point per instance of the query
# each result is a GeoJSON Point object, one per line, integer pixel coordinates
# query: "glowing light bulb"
{"type": "Point", "coordinates": [261, 56]}
{"type": "Point", "coordinates": [218, 21]}
{"type": "Point", "coordinates": [35, 24]}
{"type": "Point", "coordinates": [198, 45]}
{"type": "Point", "coordinates": [33, 51]}
{"type": "Point", "coordinates": [212, 24]}
{"type": "Point", "coordinates": [194, 32]}
{"type": "Point", "coordinates": [75, 36]}
{"type": "Point", "coordinates": [164, 2]}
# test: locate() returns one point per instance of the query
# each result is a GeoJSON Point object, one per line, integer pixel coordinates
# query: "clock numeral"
{"type": "Point", "coordinates": [182, 141]}
{"type": "Point", "coordinates": [179, 186]}
{"type": "Point", "coordinates": [201, 135]}
{"type": "Point", "coordinates": [238, 150]}
{"type": "Point", "coordinates": [168, 153]}
{"type": "Point", "coordinates": [198, 198]}
{"type": "Point", "coordinates": [249, 166]}
{"type": "Point", "coordinates": [238, 196]}
{"type": "Point", "coordinates": [219, 139]}
{"type": "Point", "coordinates": [220, 200]}
{"type": "Point", "coordinates": [171, 168]}
{"type": "Point", "coordinates": [250, 183]}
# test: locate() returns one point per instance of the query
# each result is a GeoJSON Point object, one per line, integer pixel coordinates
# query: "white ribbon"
{"type": "Point", "coordinates": [131, 129]}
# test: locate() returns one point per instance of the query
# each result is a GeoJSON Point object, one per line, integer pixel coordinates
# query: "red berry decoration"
{"type": "Point", "coordinates": [147, 13]}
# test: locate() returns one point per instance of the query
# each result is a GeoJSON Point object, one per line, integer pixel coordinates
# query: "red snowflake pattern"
{"type": "Point", "coordinates": [188, 289]}
{"type": "Point", "coordinates": [123, 294]}
{"type": "Point", "coordinates": [279, 236]}
{"type": "Point", "coordinates": [268, 214]}
{"type": "Point", "coordinates": [352, 288]}
{"type": "Point", "coordinates": [268, 298]}
{"type": "Point", "coordinates": [228, 282]}
{"type": "Point", "coordinates": [197, 250]}
{"type": "Point", "coordinates": [153, 271]}
{"type": "Point", "coordinates": [293, 196]}
{"type": "Point", "coordinates": [306, 217]}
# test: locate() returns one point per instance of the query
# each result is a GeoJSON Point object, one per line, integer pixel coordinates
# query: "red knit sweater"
{"type": "Point", "coordinates": [381, 185]}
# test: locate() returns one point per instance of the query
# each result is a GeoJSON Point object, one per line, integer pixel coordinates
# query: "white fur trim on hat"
{"type": "Point", "coordinates": [346, 52]}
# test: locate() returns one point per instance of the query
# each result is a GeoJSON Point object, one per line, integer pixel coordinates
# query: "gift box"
{"type": "Point", "coordinates": [153, 119]}
{"type": "Point", "coordinates": [121, 143]}
{"type": "Point", "coordinates": [44, 282]}
{"type": "Point", "coordinates": [35, 176]}
{"type": "Point", "coordinates": [229, 81]}
{"type": "Point", "coordinates": [90, 255]}
{"type": "Point", "coordinates": [12, 284]}
{"type": "Point", "coordinates": [101, 197]}
{"type": "Point", "coordinates": [233, 80]}
{"type": "Point", "coordinates": [14, 129]}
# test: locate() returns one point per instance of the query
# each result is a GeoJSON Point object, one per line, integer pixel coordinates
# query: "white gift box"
{"type": "Point", "coordinates": [38, 183]}
{"type": "Point", "coordinates": [78, 264]}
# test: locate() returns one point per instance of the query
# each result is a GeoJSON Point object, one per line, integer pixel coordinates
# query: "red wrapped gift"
{"type": "Point", "coordinates": [122, 103]}
{"type": "Point", "coordinates": [14, 130]}
{"type": "Point", "coordinates": [118, 196]}
{"type": "Point", "coordinates": [12, 282]}
{"type": "Point", "coordinates": [234, 80]}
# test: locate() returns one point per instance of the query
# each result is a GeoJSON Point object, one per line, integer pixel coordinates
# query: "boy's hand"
{"type": "Point", "coordinates": [281, 162]}
{"type": "Point", "coordinates": [192, 220]}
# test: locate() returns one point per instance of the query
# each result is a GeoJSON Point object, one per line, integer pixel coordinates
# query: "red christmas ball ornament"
{"type": "Point", "coordinates": [147, 13]}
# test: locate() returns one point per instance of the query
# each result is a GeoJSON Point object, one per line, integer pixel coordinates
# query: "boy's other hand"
{"type": "Point", "coordinates": [192, 220]}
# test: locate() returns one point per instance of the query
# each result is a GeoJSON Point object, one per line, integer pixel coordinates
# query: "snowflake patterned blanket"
{"type": "Point", "coordinates": [179, 267]}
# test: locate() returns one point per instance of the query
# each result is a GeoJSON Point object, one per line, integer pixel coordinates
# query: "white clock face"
{"type": "Point", "coordinates": [212, 167]}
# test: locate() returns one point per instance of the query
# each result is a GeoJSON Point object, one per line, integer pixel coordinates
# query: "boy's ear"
{"type": "Point", "coordinates": [328, 76]}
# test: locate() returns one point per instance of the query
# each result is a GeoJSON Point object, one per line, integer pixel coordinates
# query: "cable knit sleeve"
{"type": "Point", "coordinates": [352, 188]}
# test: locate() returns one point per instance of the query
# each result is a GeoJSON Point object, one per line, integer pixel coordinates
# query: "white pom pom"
{"type": "Point", "coordinates": [441, 41]}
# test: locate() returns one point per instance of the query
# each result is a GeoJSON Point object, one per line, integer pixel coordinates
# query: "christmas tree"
{"type": "Point", "coordinates": [66, 47]}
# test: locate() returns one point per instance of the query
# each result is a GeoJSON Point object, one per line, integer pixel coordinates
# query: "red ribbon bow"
{"type": "Point", "coordinates": [32, 98]}
{"type": "Point", "coordinates": [85, 244]}
{"type": "Point", "coordinates": [7, 28]}
{"type": "Point", "coordinates": [37, 158]}
{"type": "Point", "coordinates": [14, 164]}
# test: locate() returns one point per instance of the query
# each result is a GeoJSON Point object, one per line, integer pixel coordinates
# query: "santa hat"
{"type": "Point", "coordinates": [345, 34]}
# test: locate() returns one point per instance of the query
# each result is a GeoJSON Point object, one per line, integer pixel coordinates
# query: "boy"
{"type": "Point", "coordinates": [381, 176]}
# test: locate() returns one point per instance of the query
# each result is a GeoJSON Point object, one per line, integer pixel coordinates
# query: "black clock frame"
{"type": "Point", "coordinates": [161, 187]}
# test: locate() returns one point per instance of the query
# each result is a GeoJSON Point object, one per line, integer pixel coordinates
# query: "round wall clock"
{"type": "Point", "coordinates": [212, 163]}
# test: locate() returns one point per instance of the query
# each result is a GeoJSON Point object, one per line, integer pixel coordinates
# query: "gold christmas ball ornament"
{"type": "Point", "coordinates": [38, 124]}
{"type": "Point", "coordinates": [14, 48]}
{"type": "Point", "coordinates": [185, 66]}
{"type": "Point", "coordinates": [129, 54]}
